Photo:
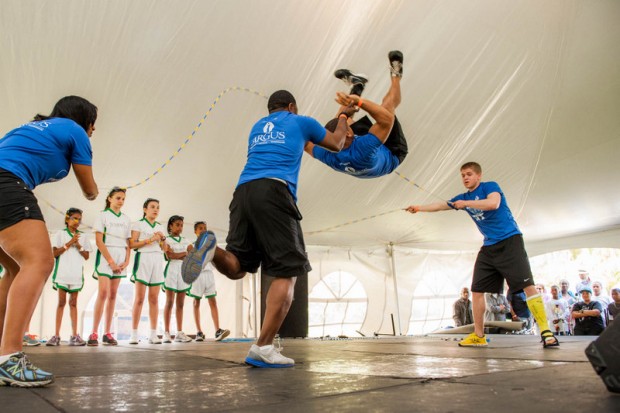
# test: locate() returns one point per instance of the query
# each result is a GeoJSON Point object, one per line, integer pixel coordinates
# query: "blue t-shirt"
{"type": "Point", "coordinates": [276, 145]}
{"type": "Point", "coordinates": [496, 225]}
{"type": "Point", "coordinates": [366, 157]}
{"type": "Point", "coordinates": [43, 151]}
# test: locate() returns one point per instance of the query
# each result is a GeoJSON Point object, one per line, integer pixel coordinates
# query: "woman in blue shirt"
{"type": "Point", "coordinates": [38, 152]}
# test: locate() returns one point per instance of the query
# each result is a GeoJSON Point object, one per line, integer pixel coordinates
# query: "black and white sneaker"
{"type": "Point", "coordinates": [221, 334]}
{"type": "Point", "coordinates": [357, 81]}
{"type": "Point", "coordinates": [396, 63]}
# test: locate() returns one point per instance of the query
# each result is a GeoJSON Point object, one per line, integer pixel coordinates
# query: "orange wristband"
{"type": "Point", "coordinates": [359, 103]}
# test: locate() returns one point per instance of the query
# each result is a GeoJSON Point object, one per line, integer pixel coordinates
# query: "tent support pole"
{"type": "Point", "coordinates": [393, 268]}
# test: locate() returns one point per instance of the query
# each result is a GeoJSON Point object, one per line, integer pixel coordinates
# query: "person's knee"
{"type": "Point", "coordinates": [73, 301]}
{"type": "Point", "coordinates": [62, 301]}
{"type": "Point", "coordinates": [196, 303]}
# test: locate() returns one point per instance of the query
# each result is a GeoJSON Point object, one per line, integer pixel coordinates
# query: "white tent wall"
{"type": "Point", "coordinates": [529, 89]}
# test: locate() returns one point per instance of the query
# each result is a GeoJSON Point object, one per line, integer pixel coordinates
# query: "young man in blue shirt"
{"type": "Point", "coordinates": [370, 150]}
{"type": "Point", "coordinates": [264, 219]}
{"type": "Point", "coordinates": [502, 255]}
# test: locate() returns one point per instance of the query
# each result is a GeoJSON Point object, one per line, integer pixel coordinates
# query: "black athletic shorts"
{"type": "Point", "coordinates": [396, 142]}
{"type": "Point", "coordinates": [506, 260]}
{"type": "Point", "coordinates": [17, 202]}
{"type": "Point", "coordinates": [265, 230]}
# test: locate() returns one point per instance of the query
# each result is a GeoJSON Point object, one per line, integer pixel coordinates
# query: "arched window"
{"type": "Point", "coordinates": [432, 303]}
{"type": "Point", "coordinates": [337, 305]}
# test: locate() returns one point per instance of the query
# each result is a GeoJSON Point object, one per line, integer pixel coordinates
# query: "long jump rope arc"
{"type": "Point", "coordinates": [189, 138]}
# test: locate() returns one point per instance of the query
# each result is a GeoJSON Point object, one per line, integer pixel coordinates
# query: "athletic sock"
{"type": "Point", "coordinates": [7, 356]}
{"type": "Point", "coordinates": [537, 307]}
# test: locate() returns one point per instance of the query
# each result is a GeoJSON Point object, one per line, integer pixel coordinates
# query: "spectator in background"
{"type": "Point", "coordinates": [613, 309]}
{"type": "Point", "coordinates": [558, 312]}
{"type": "Point", "coordinates": [462, 314]}
{"type": "Point", "coordinates": [587, 315]}
{"type": "Point", "coordinates": [566, 293]}
{"type": "Point", "coordinates": [496, 307]}
{"type": "Point", "coordinates": [543, 292]}
{"type": "Point", "coordinates": [600, 295]}
{"type": "Point", "coordinates": [585, 281]}
{"type": "Point", "coordinates": [519, 310]}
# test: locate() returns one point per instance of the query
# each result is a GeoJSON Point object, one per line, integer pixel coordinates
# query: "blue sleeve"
{"type": "Point", "coordinates": [491, 187]}
{"type": "Point", "coordinates": [82, 151]}
{"type": "Point", "coordinates": [312, 129]}
{"type": "Point", "coordinates": [323, 155]}
{"type": "Point", "coordinates": [459, 197]}
{"type": "Point", "coordinates": [598, 306]}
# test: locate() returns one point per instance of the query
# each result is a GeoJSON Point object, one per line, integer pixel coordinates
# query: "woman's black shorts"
{"type": "Point", "coordinates": [17, 202]}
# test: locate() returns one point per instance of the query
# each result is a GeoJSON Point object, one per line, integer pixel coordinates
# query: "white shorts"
{"type": "Point", "coordinates": [102, 268]}
{"type": "Point", "coordinates": [204, 286]}
{"type": "Point", "coordinates": [70, 288]}
{"type": "Point", "coordinates": [174, 281]}
{"type": "Point", "coordinates": [148, 268]}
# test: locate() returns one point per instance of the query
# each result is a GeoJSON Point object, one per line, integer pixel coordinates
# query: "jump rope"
{"type": "Point", "coordinates": [191, 136]}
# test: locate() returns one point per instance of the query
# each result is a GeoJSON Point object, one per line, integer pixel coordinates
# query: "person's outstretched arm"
{"type": "Point", "coordinates": [437, 206]}
{"type": "Point", "coordinates": [490, 203]}
{"type": "Point", "coordinates": [384, 120]}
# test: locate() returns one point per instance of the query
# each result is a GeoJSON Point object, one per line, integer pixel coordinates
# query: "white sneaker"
{"type": "Point", "coordinates": [167, 338]}
{"type": "Point", "coordinates": [181, 337]}
{"type": "Point", "coordinates": [134, 339]}
{"type": "Point", "coordinates": [267, 357]}
{"type": "Point", "coordinates": [154, 339]}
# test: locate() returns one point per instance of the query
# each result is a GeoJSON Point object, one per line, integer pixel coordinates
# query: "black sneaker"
{"type": "Point", "coordinates": [93, 340]}
{"type": "Point", "coordinates": [221, 334]}
{"type": "Point", "coordinates": [109, 340]}
{"type": "Point", "coordinates": [200, 336]}
{"type": "Point", "coordinates": [357, 81]}
{"type": "Point", "coordinates": [396, 63]}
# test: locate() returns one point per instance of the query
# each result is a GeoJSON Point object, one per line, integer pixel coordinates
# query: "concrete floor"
{"type": "Point", "coordinates": [421, 374]}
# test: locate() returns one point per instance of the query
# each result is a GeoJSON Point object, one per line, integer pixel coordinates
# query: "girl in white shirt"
{"type": "Point", "coordinates": [70, 250]}
{"type": "Point", "coordinates": [177, 248]}
{"type": "Point", "coordinates": [147, 238]}
{"type": "Point", "coordinates": [112, 232]}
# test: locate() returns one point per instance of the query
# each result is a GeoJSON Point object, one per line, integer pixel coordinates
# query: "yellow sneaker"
{"type": "Point", "coordinates": [473, 340]}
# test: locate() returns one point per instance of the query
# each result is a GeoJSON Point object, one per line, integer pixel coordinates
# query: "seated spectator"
{"type": "Point", "coordinates": [497, 307]}
{"type": "Point", "coordinates": [613, 309]}
{"type": "Point", "coordinates": [587, 315]}
{"type": "Point", "coordinates": [462, 314]}
{"type": "Point", "coordinates": [558, 312]}
{"type": "Point", "coordinates": [585, 281]}
{"type": "Point", "coordinates": [518, 308]}
{"type": "Point", "coordinates": [566, 293]}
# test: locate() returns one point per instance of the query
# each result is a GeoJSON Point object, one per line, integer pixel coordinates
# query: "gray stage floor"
{"type": "Point", "coordinates": [422, 374]}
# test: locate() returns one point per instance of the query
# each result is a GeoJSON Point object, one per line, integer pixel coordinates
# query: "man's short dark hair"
{"type": "Point", "coordinates": [280, 100]}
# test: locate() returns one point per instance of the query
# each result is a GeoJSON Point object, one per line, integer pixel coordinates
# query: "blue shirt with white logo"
{"type": "Point", "coordinates": [43, 151]}
{"type": "Point", "coordinates": [496, 225]}
{"type": "Point", "coordinates": [276, 145]}
{"type": "Point", "coordinates": [366, 157]}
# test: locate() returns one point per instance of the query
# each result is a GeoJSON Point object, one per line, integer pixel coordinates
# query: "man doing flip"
{"type": "Point", "coordinates": [370, 150]}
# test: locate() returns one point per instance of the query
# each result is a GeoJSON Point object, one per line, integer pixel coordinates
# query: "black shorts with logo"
{"type": "Point", "coordinates": [17, 202]}
{"type": "Point", "coordinates": [265, 230]}
{"type": "Point", "coordinates": [506, 260]}
{"type": "Point", "coordinates": [396, 141]}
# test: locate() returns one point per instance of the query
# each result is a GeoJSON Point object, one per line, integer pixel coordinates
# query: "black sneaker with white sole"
{"type": "Point", "coordinates": [396, 63]}
{"type": "Point", "coordinates": [357, 81]}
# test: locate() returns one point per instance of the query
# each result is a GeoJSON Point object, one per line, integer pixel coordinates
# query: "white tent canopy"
{"type": "Point", "coordinates": [529, 89]}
